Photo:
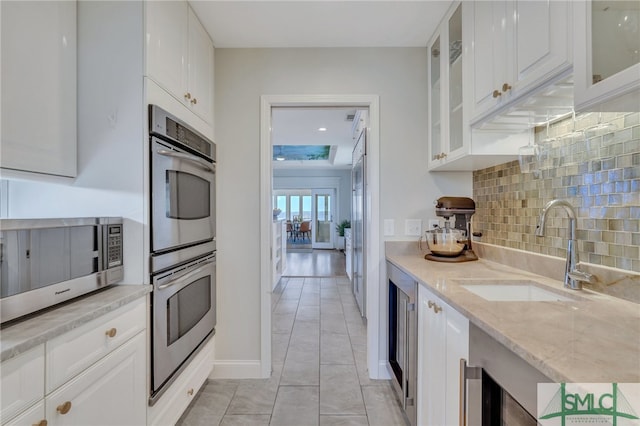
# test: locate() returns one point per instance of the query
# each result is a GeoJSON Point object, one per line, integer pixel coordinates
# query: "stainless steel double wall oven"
{"type": "Point", "coordinates": [183, 245]}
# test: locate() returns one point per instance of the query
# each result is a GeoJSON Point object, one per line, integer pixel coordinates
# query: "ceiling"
{"type": "Point", "coordinates": [321, 24]}
{"type": "Point", "coordinates": [299, 126]}
{"type": "Point", "coordinates": [326, 23]}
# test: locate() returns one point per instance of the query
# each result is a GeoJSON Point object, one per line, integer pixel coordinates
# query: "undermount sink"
{"type": "Point", "coordinates": [516, 292]}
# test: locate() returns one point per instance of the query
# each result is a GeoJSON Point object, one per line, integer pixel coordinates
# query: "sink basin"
{"type": "Point", "coordinates": [512, 292]}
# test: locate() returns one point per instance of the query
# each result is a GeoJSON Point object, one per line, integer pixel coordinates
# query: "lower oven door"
{"type": "Point", "coordinates": [183, 198]}
{"type": "Point", "coordinates": [184, 314]}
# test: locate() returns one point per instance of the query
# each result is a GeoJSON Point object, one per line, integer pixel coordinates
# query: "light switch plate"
{"type": "Point", "coordinates": [389, 227]}
{"type": "Point", "coordinates": [413, 227]}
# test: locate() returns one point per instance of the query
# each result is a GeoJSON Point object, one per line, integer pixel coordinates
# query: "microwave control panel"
{"type": "Point", "coordinates": [114, 245]}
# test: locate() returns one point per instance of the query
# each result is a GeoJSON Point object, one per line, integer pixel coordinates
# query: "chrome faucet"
{"type": "Point", "coordinates": [573, 277]}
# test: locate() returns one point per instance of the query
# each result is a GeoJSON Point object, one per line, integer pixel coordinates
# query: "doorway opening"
{"type": "Point", "coordinates": [269, 103]}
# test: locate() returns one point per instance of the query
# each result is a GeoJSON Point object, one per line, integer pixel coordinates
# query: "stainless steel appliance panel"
{"type": "Point", "coordinates": [47, 261]}
{"type": "Point", "coordinates": [358, 214]}
{"type": "Point", "coordinates": [183, 198]}
{"type": "Point", "coordinates": [184, 315]}
{"type": "Point", "coordinates": [402, 334]}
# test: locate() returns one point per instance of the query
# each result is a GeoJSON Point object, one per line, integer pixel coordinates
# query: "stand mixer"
{"type": "Point", "coordinates": [462, 208]}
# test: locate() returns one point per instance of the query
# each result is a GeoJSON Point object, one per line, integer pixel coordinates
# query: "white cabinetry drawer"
{"type": "Point", "coordinates": [33, 416]}
{"type": "Point", "coordinates": [168, 409]}
{"type": "Point", "coordinates": [22, 382]}
{"type": "Point", "coordinates": [111, 392]}
{"type": "Point", "coordinates": [73, 352]}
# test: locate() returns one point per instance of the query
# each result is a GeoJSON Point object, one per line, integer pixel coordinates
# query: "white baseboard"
{"type": "Point", "coordinates": [383, 370]}
{"type": "Point", "coordinates": [236, 369]}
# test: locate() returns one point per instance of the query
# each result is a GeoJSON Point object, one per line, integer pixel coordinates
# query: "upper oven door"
{"type": "Point", "coordinates": [183, 198]}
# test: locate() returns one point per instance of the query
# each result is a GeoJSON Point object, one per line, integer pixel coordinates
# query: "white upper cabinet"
{"type": "Point", "coordinates": [180, 55]}
{"type": "Point", "coordinates": [167, 45]}
{"type": "Point", "coordinates": [38, 131]}
{"type": "Point", "coordinates": [200, 69]}
{"type": "Point", "coordinates": [448, 132]}
{"type": "Point", "coordinates": [518, 47]}
{"type": "Point", "coordinates": [607, 56]}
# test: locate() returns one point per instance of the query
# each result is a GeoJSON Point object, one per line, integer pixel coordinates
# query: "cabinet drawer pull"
{"type": "Point", "coordinates": [40, 423]}
{"type": "Point", "coordinates": [111, 332]}
{"type": "Point", "coordinates": [64, 408]}
{"type": "Point", "coordinates": [505, 87]}
{"type": "Point", "coordinates": [433, 305]}
{"type": "Point", "coordinates": [496, 93]}
{"type": "Point", "coordinates": [194, 101]}
{"type": "Point", "coordinates": [190, 392]}
{"type": "Point", "coordinates": [187, 95]}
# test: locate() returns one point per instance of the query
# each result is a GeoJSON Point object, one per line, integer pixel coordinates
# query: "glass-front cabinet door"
{"type": "Point", "coordinates": [448, 133]}
{"type": "Point", "coordinates": [435, 126]}
{"type": "Point", "coordinates": [607, 55]}
{"type": "Point", "coordinates": [454, 68]}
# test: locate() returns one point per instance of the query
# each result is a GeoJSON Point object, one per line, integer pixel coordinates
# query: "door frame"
{"type": "Point", "coordinates": [375, 359]}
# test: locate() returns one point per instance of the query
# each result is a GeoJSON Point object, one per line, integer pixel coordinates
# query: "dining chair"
{"type": "Point", "coordinates": [305, 229]}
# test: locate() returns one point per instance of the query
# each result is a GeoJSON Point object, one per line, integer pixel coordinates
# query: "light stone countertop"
{"type": "Point", "coordinates": [594, 339]}
{"type": "Point", "coordinates": [22, 335]}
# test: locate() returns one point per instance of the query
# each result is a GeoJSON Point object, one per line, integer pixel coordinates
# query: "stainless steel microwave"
{"type": "Point", "coordinates": [44, 262]}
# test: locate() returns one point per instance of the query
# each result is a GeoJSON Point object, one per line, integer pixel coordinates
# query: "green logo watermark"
{"type": "Point", "coordinates": [561, 404]}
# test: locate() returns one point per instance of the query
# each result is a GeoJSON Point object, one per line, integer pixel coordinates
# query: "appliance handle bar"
{"type": "Point", "coordinates": [462, 421]}
{"type": "Point", "coordinates": [181, 156]}
{"type": "Point", "coordinates": [185, 276]}
{"type": "Point", "coordinates": [405, 364]}
{"type": "Point", "coordinates": [466, 373]}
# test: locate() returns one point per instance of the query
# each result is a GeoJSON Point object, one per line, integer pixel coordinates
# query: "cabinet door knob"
{"type": "Point", "coordinates": [40, 423]}
{"type": "Point", "coordinates": [505, 87]}
{"type": "Point", "coordinates": [111, 332]}
{"type": "Point", "coordinates": [187, 95]}
{"type": "Point", "coordinates": [64, 408]}
{"type": "Point", "coordinates": [443, 155]}
{"type": "Point", "coordinates": [190, 392]}
{"type": "Point", "coordinates": [194, 101]}
{"type": "Point", "coordinates": [496, 93]}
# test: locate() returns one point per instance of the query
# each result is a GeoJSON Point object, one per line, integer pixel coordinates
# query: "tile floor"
{"type": "Point", "coordinates": [319, 368]}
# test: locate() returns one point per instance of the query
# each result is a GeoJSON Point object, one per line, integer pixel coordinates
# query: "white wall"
{"type": "Point", "coordinates": [397, 75]}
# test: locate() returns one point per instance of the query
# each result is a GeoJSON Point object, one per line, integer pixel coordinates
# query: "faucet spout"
{"type": "Point", "coordinates": [571, 279]}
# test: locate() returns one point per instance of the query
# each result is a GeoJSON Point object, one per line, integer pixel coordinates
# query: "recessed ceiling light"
{"type": "Point", "coordinates": [322, 129]}
{"type": "Point", "coordinates": [280, 158]}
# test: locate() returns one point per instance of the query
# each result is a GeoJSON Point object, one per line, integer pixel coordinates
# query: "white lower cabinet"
{"type": "Point", "coordinates": [443, 339]}
{"type": "Point", "coordinates": [95, 374]}
{"type": "Point", "coordinates": [172, 404]}
{"type": "Point", "coordinates": [33, 416]}
{"type": "Point", "coordinates": [111, 392]}
{"type": "Point", "coordinates": [22, 382]}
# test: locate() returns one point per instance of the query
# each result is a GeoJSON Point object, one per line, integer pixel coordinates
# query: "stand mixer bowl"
{"type": "Point", "coordinates": [446, 242]}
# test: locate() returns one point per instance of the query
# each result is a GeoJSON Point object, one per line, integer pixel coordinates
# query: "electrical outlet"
{"type": "Point", "coordinates": [413, 227]}
{"type": "Point", "coordinates": [389, 227]}
{"type": "Point", "coordinates": [434, 223]}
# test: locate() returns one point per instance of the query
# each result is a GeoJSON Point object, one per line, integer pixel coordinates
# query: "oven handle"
{"type": "Point", "coordinates": [200, 162]}
{"type": "Point", "coordinates": [186, 276]}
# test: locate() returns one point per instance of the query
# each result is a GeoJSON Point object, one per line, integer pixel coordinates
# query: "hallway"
{"type": "Point", "coordinates": [319, 367]}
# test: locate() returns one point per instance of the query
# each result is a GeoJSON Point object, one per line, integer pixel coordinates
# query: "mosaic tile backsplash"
{"type": "Point", "coordinates": [593, 161]}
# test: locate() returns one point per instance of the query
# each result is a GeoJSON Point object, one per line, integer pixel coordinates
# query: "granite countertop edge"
{"type": "Point", "coordinates": [20, 336]}
{"type": "Point", "coordinates": [550, 360]}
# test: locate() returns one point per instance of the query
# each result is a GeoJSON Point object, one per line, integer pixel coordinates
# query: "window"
{"type": "Point", "coordinates": [293, 204]}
